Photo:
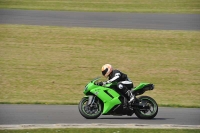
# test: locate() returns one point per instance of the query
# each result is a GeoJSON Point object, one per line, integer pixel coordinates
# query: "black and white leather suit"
{"type": "Point", "coordinates": [123, 82]}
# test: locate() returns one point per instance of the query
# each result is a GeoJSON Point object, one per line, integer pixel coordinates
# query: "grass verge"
{"type": "Point", "coordinates": [101, 130]}
{"type": "Point", "coordinates": [51, 65]}
{"type": "Point", "coordinates": [144, 6]}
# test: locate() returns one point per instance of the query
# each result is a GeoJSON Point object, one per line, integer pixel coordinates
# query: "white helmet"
{"type": "Point", "coordinates": [106, 70]}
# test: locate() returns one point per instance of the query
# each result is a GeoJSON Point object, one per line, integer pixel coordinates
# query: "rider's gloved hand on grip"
{"type": "Point", "coordinates": [101, 83]}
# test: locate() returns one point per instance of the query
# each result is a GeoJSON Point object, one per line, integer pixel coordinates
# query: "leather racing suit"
{"type": "Point", "coordinates": [123, 82]}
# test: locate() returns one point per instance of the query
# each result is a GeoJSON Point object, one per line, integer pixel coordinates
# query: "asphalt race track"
{"type": "Point", "coordinates": [102, 20]}
{"type": "Point", "coordinates": [18, 116]}
{"type": "Point", "coordinates": [69, 114]}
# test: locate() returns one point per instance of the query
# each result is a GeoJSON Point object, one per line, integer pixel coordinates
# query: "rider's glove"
{"type": "Point", "coordinates": [102, 83]}
{"type": "Point", "coordinates": [108, 82]}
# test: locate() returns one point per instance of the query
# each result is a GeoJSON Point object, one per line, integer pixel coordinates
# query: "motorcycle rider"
{"type": "Point", "coordinates": [123, 82]}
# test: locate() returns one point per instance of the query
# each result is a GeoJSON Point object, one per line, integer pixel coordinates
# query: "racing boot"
{"type": "Point", "coordinates": [130, 95]}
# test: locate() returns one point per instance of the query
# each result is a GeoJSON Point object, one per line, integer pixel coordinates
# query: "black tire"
{"type": "Point", "coordinates": [90, 112]}
{"type": "Point", "coordinates": [148, 113]}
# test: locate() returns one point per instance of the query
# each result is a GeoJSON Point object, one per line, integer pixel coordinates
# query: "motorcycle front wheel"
{"type": "Point", "coordinates": [149, 109]}
{"type": "Point", "coordinates": [92, 111]}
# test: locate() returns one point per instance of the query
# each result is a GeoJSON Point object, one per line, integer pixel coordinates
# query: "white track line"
{"type": "Point", "coordinates": [99, 125]}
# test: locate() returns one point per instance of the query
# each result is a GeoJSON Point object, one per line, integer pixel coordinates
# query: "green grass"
{"type": "Point", "coordinates": [141, 6]}
{"type": "Point", "coordinates": [51, 65]}
{"type": "Point", "coordinates": [101, 130]}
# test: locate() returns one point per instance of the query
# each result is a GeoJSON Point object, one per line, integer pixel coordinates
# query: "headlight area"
{"type": "Point", "coordinates": [86, 88]}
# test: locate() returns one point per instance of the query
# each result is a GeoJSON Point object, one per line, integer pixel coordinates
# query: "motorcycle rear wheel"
{"type": "Point", "coordinates": [90, 111]}
{"type": "Point", "coordinates": [149, 113]}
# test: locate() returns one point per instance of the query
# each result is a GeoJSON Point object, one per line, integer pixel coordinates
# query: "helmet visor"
{"type": "Point", "coordinates": [104, 72]}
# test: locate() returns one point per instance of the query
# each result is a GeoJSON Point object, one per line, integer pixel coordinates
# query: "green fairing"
{"type": "Point", "coordinates": [140, 86]}
{"type": "Point", "coordinates": [101, 92]}
{"type": "Point", "coordinates": [108, 101]}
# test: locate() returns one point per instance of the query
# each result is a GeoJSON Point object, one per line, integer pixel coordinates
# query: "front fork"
{"type": "Point", "coordinates": [91, 99]}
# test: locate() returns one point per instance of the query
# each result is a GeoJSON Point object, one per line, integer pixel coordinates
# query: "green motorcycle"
{"type": "Point", "coordinates": [107, 100]}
